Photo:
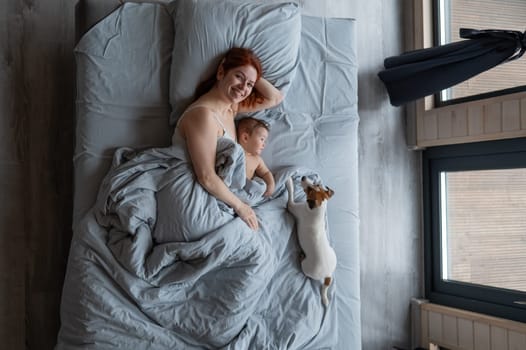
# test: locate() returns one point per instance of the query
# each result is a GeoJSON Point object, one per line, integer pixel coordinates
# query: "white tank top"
{"type": "Point", "coordinates": [214, 113]}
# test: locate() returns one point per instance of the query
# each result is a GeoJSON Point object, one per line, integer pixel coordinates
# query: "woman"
{"type": "Point", "coordinates": [236, 87]}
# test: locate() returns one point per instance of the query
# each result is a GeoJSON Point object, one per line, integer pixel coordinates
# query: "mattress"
{"type": "Point", "coordinates": [124, 101]}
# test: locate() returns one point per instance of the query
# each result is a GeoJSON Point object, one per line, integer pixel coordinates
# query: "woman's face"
{"type": "Point", "coordinates": [237, 83]}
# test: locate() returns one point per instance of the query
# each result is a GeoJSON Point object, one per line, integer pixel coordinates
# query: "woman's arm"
{"type": "Point", "coordinates": [271, 97]}
{"type": "Point", "coordinates": [201, 131]}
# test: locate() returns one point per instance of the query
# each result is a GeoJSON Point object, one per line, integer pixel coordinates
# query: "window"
{"type": "Point", "coordinates": [451, 15]}
{"type": "Point", "coordinates": [474, 116]}
{"type": "Point", "coordinates": [475, 226]}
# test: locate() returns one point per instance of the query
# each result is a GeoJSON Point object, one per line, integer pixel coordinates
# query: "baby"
{"type": "Point", "coordinates": [252, 135]}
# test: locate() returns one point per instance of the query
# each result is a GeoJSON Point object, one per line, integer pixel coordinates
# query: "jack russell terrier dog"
{"type": "Point", "coordinates": [318, 258]}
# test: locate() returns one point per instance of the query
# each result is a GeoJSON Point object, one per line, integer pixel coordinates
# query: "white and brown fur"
{"type": "Point", "coordinates": [319, 260]}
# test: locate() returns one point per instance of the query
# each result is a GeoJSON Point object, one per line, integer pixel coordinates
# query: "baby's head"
{"type": "Point", "coordinates": [252, 135]}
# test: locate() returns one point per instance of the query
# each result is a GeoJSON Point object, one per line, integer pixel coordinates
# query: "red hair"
{"type": "Point", "coordinates": [235, 57]}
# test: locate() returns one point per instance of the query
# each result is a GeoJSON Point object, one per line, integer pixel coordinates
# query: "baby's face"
{"type": "Point", "coordinates": [257, 141]}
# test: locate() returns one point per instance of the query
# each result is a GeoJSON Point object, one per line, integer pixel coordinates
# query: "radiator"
{"type": "Point", "coordinates": [441, 327]}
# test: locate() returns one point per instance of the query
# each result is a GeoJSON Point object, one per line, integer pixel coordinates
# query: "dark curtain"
{"type": "Point", "coordinates": [420, 73]}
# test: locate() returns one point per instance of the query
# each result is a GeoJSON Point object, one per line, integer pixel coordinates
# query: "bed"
{"type": "Point", "coordinates": [139, 276]}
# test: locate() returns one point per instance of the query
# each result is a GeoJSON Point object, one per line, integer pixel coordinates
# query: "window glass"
{"type": "Point", "coordinates": [482, 14]}
{"type": "Point", "coordinates": [475, 226]}
{"type": "Point", "coordinates": [483, 228]}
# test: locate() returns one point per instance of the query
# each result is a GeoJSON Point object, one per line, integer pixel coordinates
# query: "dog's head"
{"type": "Point", "coordinates": [316, 194]}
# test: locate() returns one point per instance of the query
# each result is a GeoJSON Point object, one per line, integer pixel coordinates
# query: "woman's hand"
{"type": "Point", "coordinates": [247, 214]}
{"type": "Point", "coordinates": [271, 97]}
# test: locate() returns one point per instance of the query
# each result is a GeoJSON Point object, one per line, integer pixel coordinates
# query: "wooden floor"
{"type": "Point", "coordinates": [36, 135]}
{"type": "Point", "coordinates": [36, 145]}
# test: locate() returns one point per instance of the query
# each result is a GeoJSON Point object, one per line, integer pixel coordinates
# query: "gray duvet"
{"type": "Point", "coordinates": [160, 263]}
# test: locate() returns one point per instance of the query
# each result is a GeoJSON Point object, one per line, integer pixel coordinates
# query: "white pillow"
{"type": "Point", "coordinates": [206, 29]}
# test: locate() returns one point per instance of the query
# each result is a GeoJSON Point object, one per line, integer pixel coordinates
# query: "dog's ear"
{"type": "Point", "coordinates": [329, 192]}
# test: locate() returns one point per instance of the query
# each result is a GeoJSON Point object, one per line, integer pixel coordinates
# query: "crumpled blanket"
{"type": "Point", "coordinates": [161, 264]}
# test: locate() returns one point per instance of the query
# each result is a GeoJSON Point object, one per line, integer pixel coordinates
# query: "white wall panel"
{"type": "Point", "coordinates": [457, 329]}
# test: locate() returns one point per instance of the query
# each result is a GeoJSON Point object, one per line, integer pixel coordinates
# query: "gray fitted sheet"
{"type": "Point", "coordinates": [123, 67]}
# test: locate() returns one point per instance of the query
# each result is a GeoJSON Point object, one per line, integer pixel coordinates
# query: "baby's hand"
{"type": "Point", "coordinates": [269, 191]}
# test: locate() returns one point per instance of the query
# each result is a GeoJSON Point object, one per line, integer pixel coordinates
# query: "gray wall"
{"type": "Point", "coordinates": [36, 145]}
{"type": "Point", "coordinates": [390, 230]}
{"type": "Point", "coordinates": [390, 239]}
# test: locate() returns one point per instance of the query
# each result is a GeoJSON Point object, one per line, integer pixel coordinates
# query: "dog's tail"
{"type": "Point", "coordinates": [290, 189]}
{"type": "Point", "coordinates": [326, 283]}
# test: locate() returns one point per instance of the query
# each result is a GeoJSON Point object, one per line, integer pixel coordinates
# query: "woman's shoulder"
{"type": "Point", "coordinates": [198, 119]}
{"type": "Point", "coordinates": [198, 113]}
{"type": "Point", "coordinates": [199, 108]}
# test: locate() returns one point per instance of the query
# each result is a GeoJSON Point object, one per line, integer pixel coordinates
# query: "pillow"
{"type": "Point", "coordinates": [206, 29]}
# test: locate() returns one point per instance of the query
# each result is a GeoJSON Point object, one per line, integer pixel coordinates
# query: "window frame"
{"type": "Point", "coordinates": [471, 156]}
